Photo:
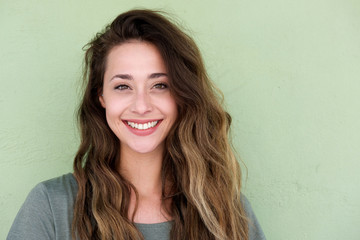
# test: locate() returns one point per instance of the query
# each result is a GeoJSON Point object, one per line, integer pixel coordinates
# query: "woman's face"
{"type": "Point", "coordinates": [139, 107]}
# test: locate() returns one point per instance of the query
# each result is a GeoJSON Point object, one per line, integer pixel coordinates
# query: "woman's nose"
{"type": "Point", "coordinates": [142, 103]}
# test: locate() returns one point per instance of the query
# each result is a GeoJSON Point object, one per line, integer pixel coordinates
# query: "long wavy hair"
{"type": "Point", "coordinates": [199, 169]}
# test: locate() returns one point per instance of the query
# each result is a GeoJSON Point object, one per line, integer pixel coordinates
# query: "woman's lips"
{"type": "Point", "coordinates": [142, 127]}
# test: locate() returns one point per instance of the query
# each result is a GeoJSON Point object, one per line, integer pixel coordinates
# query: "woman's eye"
{"type": "Point", "coordinates": [160, 86]}
{"type": "Point", "coordinates": [122, 87]}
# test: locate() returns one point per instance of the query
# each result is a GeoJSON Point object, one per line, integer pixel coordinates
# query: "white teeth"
{"type": "Point", "coordinates": [142, 126]}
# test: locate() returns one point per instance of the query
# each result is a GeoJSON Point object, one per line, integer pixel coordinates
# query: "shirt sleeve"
{"type": "Point", "coordinates": [255, 231]}
{"type": "Point", "coordinates": [34, 220]}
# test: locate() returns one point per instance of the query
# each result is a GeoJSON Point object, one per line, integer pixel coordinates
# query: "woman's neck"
{"type": "Point", "coordinates": [144, 172]}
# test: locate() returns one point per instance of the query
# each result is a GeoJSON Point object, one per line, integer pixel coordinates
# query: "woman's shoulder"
{"type": "Point", "coordinates": [247, 206]}
{"type": "Point", "coordinates": [54, 190]}
{"type": "Point", "coordinates": [57, 191]}
{"type": "Point", "coordinates": [47, 211]}
{"type": "Point", "coordinates": [255, 230]}
{"type": "Point", "coordinates": [63, 186]}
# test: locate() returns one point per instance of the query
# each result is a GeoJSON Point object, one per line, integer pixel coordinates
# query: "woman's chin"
{"type": "Point", "coordinates": [144, 148]}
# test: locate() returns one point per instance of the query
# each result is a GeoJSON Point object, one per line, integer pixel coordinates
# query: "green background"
{"type": "Point", "coordinates": [290, 73]}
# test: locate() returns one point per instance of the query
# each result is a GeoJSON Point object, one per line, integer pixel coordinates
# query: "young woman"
{"type": "Point", "coordinates": [154, 160]}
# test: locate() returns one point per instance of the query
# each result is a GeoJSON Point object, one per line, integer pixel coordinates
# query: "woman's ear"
{"type": "Point", "coordinates": [101, 100]}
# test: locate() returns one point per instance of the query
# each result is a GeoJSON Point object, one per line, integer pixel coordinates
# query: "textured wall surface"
{"type": "Point", "coordinates": [290, 73]}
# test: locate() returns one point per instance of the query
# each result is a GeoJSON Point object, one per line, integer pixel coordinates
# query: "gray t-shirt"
{"type": "Point", "coordinates": [48, 211]}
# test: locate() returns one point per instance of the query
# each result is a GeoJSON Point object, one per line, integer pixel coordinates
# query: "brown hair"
{"type": "Point", "coordinates": [199, 163]}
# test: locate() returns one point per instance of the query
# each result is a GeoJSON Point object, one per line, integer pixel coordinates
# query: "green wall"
{"type": "Point", "coordinates": [290, 73]}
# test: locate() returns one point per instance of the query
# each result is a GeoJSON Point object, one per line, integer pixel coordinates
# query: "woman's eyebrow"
{"type": "Point", "coordinates": [157, 75]}
{"type": "Point", "coordinates": [123, 76]}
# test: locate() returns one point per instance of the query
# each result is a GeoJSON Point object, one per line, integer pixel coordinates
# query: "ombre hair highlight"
{"type": "Point", "coordinates": [200, 172]}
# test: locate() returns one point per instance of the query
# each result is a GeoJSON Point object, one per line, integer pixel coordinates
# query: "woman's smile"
{"type": "Point", "coordinates": [143, 124]}
{"type": "Point", "coordinates": [142, 128]}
